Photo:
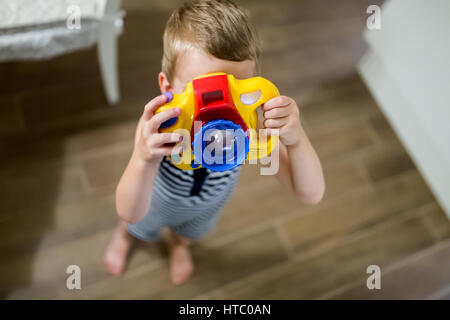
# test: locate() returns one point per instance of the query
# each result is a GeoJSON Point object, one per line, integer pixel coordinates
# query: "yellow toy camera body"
{"type": "Point", "coordinates": [220, 102]}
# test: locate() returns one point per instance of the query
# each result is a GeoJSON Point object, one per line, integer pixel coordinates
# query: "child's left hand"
{"type": "Point", "coordinates": [282, 113]}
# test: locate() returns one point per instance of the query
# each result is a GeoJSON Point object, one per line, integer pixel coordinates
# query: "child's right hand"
{"type": "Point", "coordinates": [151, 145]}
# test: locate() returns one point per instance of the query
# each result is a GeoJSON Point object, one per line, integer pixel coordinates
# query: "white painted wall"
{"type": "Point", "coordinates": [407, 69]}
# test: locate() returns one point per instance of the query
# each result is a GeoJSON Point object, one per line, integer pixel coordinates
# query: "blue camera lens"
{"type": "Point", "coordinates": [221, 145]}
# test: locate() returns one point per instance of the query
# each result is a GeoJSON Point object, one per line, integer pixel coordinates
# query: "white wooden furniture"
{"type": "Point", "coordinates": [407, 69]}
{"type": "Point", "coordinates": [37, 29]}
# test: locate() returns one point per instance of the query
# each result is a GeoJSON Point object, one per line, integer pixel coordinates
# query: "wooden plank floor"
{"type": "Point", "coordinates": [63, 151]}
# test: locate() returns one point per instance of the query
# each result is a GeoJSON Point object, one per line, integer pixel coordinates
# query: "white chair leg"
{"type": "Point", "coordinates": [107, 55]}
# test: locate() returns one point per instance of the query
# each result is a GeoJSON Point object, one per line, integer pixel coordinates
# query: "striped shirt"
{"type": "Point", "coordinates": [188, 202]}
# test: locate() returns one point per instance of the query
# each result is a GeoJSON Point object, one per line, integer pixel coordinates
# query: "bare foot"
{"type": "Point", "coordinates": [181, 265]}
{"type": "Point", "coordinates": [119, 246]}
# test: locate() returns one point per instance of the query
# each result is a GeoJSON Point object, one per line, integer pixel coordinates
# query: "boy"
{"type": "Point", "coordinates": [200, 37]}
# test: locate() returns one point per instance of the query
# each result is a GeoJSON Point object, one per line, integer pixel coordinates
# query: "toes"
{"type": "Point", "coordinates": [181, 266]}
{"type": "Point", "coordinates": [116, 253]}
{"type": "Point", "coordinates": [113, 265]}
{"type": "Point", "coordinates": [181, 275]}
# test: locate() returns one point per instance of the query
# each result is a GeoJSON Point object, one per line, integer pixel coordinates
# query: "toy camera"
{"type": "Point", "coordinates": [219, 115]}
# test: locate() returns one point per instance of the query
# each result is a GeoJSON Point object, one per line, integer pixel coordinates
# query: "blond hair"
{"type": "Point", "coordinates": [218, 27]}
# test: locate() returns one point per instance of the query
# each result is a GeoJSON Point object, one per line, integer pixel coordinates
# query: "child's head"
{"type": "Point", "coordinates": [206, 36]}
